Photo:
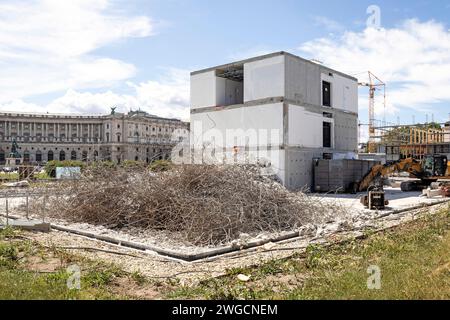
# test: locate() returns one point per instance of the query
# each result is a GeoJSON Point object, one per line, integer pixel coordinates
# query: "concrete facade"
{"type": "Point", "coordinates": [277, 109]}
{"type": "Point", "coordinates": [115, 137]}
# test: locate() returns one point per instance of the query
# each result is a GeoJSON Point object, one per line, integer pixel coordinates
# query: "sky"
{"type": "Point", "coordinates": [85, 56]}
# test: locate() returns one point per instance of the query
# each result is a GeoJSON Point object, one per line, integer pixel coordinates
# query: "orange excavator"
{"type": "Point", "coordinates": [431, 169]}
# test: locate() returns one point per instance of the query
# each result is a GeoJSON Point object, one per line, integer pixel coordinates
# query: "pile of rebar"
{"type": "Point", "coordinates": [207, 205]}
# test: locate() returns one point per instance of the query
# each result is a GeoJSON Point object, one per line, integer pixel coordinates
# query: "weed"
{"type": "Point", "coordinates": [138, 278]}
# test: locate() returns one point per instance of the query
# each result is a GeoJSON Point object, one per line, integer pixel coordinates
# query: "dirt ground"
{"type": "Point", "coordinates": [157, 267]}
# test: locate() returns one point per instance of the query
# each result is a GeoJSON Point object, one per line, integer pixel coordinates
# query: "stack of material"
{"type": "Point", "coordinates": [339, 175]}
{"type": "Point", "coordinates": [446, 191]}
{"type": "Point", "coordinates": [441, 191]}
{"type": "Point", "coordinates": [204, 205]}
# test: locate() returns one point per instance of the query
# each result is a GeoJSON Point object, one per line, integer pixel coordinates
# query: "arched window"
{"type": "Point", "coordinates": [50, 156]}
{"type": "Point", "coordinates": [73, 155]}
{"type": "Point", "coordinates": [2, 157]}
{"type": "Point", "coordinates": [62, 156]}
{"type": "Point", "coordinates": [38, 156]}
{"type": "Point", "coordinates": [26, 157]}
{"type": "Point", "coordinates": [84, 156]}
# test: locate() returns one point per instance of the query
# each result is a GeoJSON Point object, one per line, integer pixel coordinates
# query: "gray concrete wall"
{"type": "Point", "coordinates": [303, 81]}
{"type": "Point", "coordinates": [346, 131]}
{"type": "Point", "coordinates": [299, 164]}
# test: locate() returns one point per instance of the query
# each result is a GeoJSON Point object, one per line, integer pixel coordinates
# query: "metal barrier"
{"type": "Point", "coordinates": [27, 196]}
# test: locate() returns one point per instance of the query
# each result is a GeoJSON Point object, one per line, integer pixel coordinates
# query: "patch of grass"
{"type": "Point", "coordinates": [42, 176]}
{"type": "Point", "coordinates": [414, 261]}
{"type": "Point", "coordinates": [100, 275]}
{"type": "Point", "coordinates": [8, 232]}
{"type": "Point", "coordinates": [8, 256]}
{"type": "Point", "coordinates": [139, 278]}
{"type": "Point", "coordinates": [9, 176]}
{"type": "Point", "coordinates": [26, 285]}
{"type": "Point", "coordinates": [18, 281]}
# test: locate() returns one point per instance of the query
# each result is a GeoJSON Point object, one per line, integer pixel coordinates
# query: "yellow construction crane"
{"type": "Point", "coordinates": [374, 84]}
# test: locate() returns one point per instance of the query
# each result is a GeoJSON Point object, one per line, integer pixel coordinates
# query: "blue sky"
{"type": "Point", "coordinates": [89, 55]}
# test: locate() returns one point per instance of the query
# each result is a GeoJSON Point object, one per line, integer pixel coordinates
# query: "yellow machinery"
{"type": "Point", "coordinates": [430, 169]}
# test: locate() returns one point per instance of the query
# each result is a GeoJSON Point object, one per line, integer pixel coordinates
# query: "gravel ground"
{"type": "Point", "coordinates": [157, 267]}
{"type": "Point", "coordinates": [158, 239]}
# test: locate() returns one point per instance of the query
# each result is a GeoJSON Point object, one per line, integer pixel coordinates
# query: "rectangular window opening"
{"type": "Point", "coordinates": [230, 86]}
{"type": "Point", "coordinates": [326, 94]}
{"type": "Point", "coordinates": [327, 135]}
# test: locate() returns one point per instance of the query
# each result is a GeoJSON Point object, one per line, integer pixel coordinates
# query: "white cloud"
{"type": "Point", "coordinates": [327, 23]}
{"type": "Point", "coordinates": [47, 45]}
{"type": "Point", "coordinates": [167, 97]}
{"type": "Point", "coordinates": [414, 60]}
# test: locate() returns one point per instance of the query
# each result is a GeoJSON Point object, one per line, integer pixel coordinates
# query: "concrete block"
{"type": "Point", "coordinates": [433, 193]}
{"type": "Point", "coordinates": [29, 225]}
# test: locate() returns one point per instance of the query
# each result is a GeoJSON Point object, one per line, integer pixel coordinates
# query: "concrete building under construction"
{"type": "Point", "coordinates": [415, 141]}
{"type": "Point", "coordinates": [276, 109]}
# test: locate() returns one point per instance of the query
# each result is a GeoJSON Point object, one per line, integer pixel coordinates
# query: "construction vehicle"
{"type": "Point", "coordinates": [375, 199]}
{"type": "Point", "coordinates": [431, 169]}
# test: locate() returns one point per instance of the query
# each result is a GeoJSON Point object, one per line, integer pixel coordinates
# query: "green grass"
{"type": "Point", "coordinates": [42, 176]}
{"type": "Point", "coordinates": [9, 176]}
{"type": "Point", "coordinates": [414, 262]}
{"type": "Point", "coordinates": [17, 281]}
{"type": "Point", "coordinates": [14, 176]}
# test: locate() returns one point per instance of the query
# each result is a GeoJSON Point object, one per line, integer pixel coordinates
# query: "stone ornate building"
{"type": "Point", "coordinates": [136, 135]}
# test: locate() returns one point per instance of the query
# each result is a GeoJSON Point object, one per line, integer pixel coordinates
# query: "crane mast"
{"type": "Point", "coordinates": [373, 85]}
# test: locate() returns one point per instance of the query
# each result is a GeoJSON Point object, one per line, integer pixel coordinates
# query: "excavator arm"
{"type": "Point", "coordinates": [409, 165]}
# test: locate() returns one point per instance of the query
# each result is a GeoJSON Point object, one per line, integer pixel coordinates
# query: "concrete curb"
{"type": "Point", "coordinates": [230, 249]}
{"type": "Point", "coordinates": [177, 255]}
{"type": "Point", "coordinates": [421, 206]}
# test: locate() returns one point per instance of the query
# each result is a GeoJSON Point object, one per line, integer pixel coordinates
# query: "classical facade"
{"type": "Point", "coordinates": [116, 137]}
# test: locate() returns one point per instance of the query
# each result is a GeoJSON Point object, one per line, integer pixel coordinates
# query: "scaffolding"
{"type": "Point", "coordinates": [417, 141]}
